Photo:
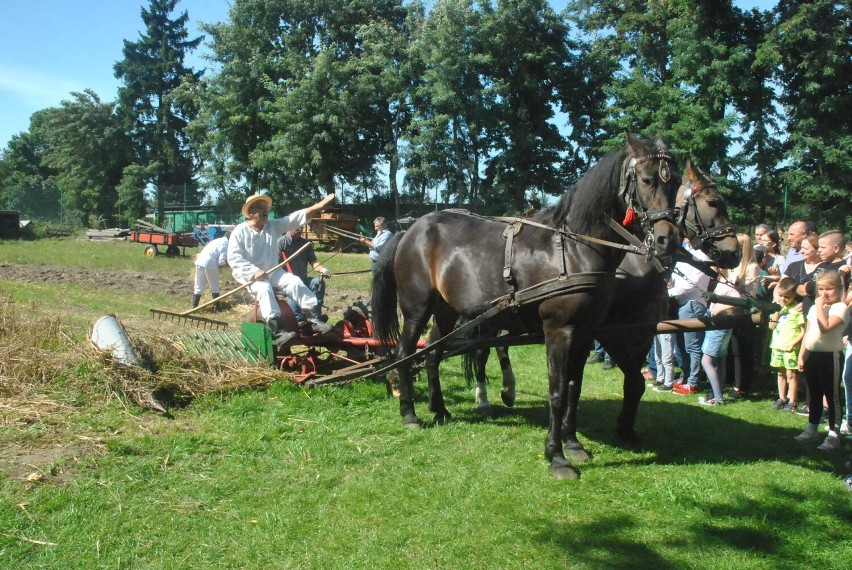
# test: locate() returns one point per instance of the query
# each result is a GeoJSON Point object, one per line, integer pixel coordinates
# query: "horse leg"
{"type": "Point", "coordinates": [630, 357]}
{"type": "Point", "coordinates": [509, 381]}
{"type": "Point", "coordinates": [573, 447]}
{"type": "Point", "coordinates": [443, 323]}
{"type": "Point", "coordinates": [565, 371]}
{"type": "Point", "coordinates": [480, 357]}
{"type": "Point", "coordinates": [407, 345]}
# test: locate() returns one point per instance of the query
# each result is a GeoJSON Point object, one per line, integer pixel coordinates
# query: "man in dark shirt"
{"type": "Point", "coordinates": [289, 244]}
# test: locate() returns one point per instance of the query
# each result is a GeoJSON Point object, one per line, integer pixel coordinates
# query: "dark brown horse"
{"type": "Point", "coordinates": [450, 265]}
{"type": "Point", "coordinates": [640, 297]}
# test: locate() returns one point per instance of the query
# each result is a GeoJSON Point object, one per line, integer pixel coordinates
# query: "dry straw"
{"type": "Point", "coordinates": [44, 365]}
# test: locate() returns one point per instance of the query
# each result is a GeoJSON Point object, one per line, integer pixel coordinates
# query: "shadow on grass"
{"type": "Point", "coordinates": [609, 541]}
{"type": "Point", "coordinates": [674, 432]}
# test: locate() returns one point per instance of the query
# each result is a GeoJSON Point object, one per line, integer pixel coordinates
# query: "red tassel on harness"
{"type": "Point", "coordinates": [629, 218]}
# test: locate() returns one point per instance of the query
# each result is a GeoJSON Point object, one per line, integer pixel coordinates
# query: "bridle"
{"type": "Point", "coordinates": [705, 236]}
{"type": "Point", "coordinates": [636, 209]}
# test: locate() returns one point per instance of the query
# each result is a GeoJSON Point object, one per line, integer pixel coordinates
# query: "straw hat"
{"type": "Point", "coordinates": [252, 200]}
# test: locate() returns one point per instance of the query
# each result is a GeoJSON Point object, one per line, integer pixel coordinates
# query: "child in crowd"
{"type": "Point", "coordinates": [714, 349]}
{"type": "Point", "coordinates": [819, 357]}
{"type": "Point", "coordinates": [788, 329]}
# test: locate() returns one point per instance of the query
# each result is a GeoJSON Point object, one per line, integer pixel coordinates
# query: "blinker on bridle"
{"type": "Point", "coordinates": [647, 218]}
{"type": "Point", "coordinates": [707, 237]}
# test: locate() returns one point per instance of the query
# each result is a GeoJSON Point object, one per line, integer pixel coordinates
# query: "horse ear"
{"type": "Point", "coordinates": [637, 146]}
{"type": "Point", "coordinates": [689, 170]}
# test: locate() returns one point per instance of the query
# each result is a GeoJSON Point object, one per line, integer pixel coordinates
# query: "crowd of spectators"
{"type": "Point", "coordinates": [806, 343]}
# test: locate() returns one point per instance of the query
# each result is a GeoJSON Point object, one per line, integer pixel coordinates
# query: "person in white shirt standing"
{"type": "Point", "coordinates": [253, 252]}
{"type": "Point", "coordinates": [208, 262]}
{"type": "Point", "coordinates": [689, 284]}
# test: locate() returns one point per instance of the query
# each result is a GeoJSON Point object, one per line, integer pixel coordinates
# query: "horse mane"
{"type": "Point", "coordinates": [583, 206]}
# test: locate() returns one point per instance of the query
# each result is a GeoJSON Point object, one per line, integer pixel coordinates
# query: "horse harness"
{"type": "Point", "coordinates": [703, 234]}
{"type": "Point", "coordinates": [636, 209]}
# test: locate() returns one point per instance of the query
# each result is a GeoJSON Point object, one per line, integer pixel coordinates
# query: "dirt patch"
{"type": "Point", "coordinates": [101, 279]}
{"type": "Point", "coordinates": [47, 464]}
{"type": "Point", "coordinates": [336, 300]}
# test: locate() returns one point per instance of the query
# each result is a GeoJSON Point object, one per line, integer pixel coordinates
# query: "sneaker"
{"type": "Point", "coordinates": [791, 407]}
{"type": "Point", "coordinates": [848, 482]}
{"type": "Point", "coordinates": [646, 374]}
{"type": "Point", "coordinates": [663, 388]}
{"type": "Point", "coordinates": [738, 395]}
{"type": "Point", "coordinates": [679, 383]}
{"type": "Point", "coordinates": [831, 443]}
{"type": "Point", "coordinates": [779, 404]}
{"type": "Point", "coordinates": [803, 411]}
{"type": "Point", "coordinates": [686, 390]}
{"type": "Point", "coordinates": [595, 359]}
{"type": "Point", "coordinates": [845, 428]}
{"type": "Point", "coordinates": [710, 401]}
{"type": "Point", "coordinates": [608, 365]}
{"type": "Point", "coordinates": [808, 435]}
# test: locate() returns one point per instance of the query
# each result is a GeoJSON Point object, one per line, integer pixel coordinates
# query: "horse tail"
{"type": "Point", "coordinates": [384, 297]}
{"type": "Point", "coordinates": [472, 361]}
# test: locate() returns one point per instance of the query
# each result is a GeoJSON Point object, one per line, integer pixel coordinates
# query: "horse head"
{"type": "Point", "coordinates": [703, 216]}
{"type": "Point", "coordinates": [648, 188]}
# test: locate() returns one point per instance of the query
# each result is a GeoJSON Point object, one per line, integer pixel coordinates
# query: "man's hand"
{"type": "Point", "coordinates": [259, 275]}
{"type": "Point", "coordinates": [325, 272]}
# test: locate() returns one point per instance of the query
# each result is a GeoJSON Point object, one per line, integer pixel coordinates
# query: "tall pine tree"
{"type": "Point", "coordinates": [151, 71]}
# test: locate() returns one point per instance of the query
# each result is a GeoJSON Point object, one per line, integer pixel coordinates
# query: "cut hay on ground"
{"type": "Point", "coordinates": [43, 365]}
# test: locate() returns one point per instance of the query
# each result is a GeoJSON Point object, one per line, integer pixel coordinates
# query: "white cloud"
{"type": "Point", "coordinates": [34, 89]}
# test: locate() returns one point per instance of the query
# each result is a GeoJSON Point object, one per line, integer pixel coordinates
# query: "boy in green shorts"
{"type": "Point", "coordinates": [788, 329]}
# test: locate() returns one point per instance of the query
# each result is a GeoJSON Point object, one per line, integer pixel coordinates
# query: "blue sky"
{"type": "Point", "coordinates": [49, 48]}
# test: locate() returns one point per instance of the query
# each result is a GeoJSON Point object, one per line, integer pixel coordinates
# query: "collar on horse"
{"type": "Point", "coordinates": [706, 237]}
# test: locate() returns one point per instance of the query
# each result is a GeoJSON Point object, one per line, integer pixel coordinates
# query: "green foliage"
{"type": "Point", "coordinates": [489, 103]}
{"type": "Point", "coordinates": [152, 112]}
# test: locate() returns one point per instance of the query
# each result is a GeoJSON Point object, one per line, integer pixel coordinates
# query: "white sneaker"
{"type": "Point", "coordinates": [845, 429]}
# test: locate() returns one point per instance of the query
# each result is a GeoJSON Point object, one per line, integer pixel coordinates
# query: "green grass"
{"type": "Point", "coordinates": [328, 478]}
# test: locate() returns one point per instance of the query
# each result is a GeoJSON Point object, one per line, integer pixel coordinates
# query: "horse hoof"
{"type": "Point", "coordinates": [561, 469]}
{"type": "Point", "coordinates": [578, 455]}
{"type": "Point", "coordinates": [629, 440]}
{"type": "Point", "coordinates": [412, 422]}
{"type": "Point", "coordinates": [443, 418]}
{"type": "Point", "coordinates": [508, 399]}
{"type": "Point", "coordinates": [484, 410]}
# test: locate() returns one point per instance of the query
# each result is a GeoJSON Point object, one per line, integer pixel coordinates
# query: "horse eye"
{"type": "Point", "coordinates": [712, 203]}
{"type": "Point", "coordinates": [647, 180]}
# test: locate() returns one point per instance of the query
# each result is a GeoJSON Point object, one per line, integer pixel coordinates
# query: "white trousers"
{"type": "Point", "coordinates": [290, 285]}
{"type": "Point", "coordinates": [205, 276]}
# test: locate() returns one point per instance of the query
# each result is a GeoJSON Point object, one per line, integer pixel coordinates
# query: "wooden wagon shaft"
{"type": "Point", "coordinates": [344, 233]}
{"type": "Point", "coordinates": [460, 346]}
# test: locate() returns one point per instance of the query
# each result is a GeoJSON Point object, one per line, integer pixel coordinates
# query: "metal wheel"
{"type": "Point", "coordinates": [150, 251]}
{"type": "Point", "coordinates": [173, 251]}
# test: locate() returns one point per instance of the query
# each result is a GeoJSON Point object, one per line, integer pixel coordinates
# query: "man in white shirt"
{"type": "Point", "coordinates": [207, 264]}
{"type": "Point", "coordinates": [688, 287]}
{"type": "Point", "coordinates": [253, 251]}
